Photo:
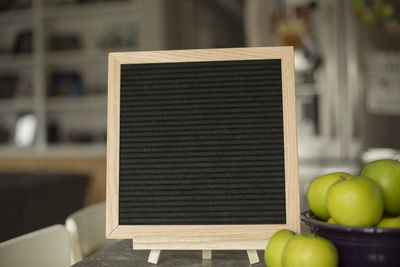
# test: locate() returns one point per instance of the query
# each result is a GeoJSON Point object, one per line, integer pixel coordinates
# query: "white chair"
{"type": "Point", "coordinates": [48, 247]}
{"type": "Point", "coordinates": [87, 228]}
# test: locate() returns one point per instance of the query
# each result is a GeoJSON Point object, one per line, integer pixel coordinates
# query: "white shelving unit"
{"type": "Point", "coordinates": [91, 22]}
{"type": "Point", "coordinates": [155, 24]}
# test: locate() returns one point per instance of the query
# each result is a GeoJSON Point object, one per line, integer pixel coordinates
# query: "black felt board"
{"type": "Point", "coordinates": [201, 143]}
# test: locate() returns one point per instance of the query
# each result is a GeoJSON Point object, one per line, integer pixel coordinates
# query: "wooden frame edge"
{"type": "Point", "coordinates": [113, 111]}
{"type": "Point", "coordinates": [196, 237]}
{"type": "Point", "coordinates": [290, 140]}
{"type": "Point", "coordinates": [198, 55]}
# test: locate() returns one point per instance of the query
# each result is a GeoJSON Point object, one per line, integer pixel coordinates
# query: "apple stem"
{"type": "Point", "coordinates": [342, 177]}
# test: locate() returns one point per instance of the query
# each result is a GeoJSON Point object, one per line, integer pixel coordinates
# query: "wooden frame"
{"type": "Point", "coordinates": [205, 237]}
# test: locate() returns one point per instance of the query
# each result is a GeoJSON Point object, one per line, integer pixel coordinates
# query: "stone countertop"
{"type": "Point", "coordinates": [122, 255]}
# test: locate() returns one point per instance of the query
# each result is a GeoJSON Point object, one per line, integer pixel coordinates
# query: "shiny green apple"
{"type": "Point", "coordinates": [390, 222]}
{"type": "Point", "coordinates": [316, 194]}
{"type": "Point", "coordinates": [309, 250]}
{"type": "Point", "coordinates": [355, 202]}
{"type": "Point", "coordinates": [386, 173]}
{"type": "Point", "coordinates": [275, 246]}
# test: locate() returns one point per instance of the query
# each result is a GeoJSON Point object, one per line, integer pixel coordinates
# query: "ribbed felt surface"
{"type": "Point", "coordinates": [201, 143]}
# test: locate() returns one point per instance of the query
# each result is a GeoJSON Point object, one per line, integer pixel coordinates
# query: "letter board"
{"type": "Point", "coordinates": [202, 147]}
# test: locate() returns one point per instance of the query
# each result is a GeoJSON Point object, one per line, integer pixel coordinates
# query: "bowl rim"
{"type": "Point", "coordinates": [308, 217]}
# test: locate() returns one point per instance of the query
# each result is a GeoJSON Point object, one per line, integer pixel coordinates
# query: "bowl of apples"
{"type": "Point", "coordinates": [360, 215]}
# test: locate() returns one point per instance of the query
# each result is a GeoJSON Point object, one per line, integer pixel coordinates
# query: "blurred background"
{"type": "Point", "coordinates": [53, 85]}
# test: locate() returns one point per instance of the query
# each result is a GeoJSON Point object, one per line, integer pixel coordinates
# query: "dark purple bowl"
{"type": "Point", "coordinates": [359, 246]}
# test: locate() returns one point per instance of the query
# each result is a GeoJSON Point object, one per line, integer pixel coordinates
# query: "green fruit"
{"type": "Point", "coordinates": [276, 244]}
{"type": "Point", "coordinates": [386, 173]}
{"type": "Point", "coordinates": [390, 222]}
{"type": "Point", "coordinates": [355, 202]}
{"type": "Point", "coordinates": [309, 250]}
{"type": "Point", "coordinates": [316, 194]}
{"type": "Point", "coordinates": [331, 221]}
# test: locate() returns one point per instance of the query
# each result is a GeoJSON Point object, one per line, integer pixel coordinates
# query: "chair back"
{"type": "Point", "coordinates": [47, 247]}
{"type": "Point", "coordinates": [87, 231]}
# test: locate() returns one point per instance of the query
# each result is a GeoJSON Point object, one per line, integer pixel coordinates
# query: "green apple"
{"type": "Point", "coordinates": [275, 246]}
{"type": "Point", "coordinates": [309, 250]}
{"type": "Point", "coordinates": [316, 194]}
{"type": "Point", "coordinates": [390, 222]}
{"type": "Point", "coordinates": [355, 202]}
{"type": "Point", "coordinates": [386, 173]}
{"type": "Point", "coordinates": [331, 221]}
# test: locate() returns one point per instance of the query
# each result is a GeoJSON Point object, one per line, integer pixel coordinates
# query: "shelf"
{"type": "Point", "coordinates": [79, 57]}
{"type": "Point", "coordinates": [13, 15]}
{"type": "Point", "coordinates": [97, 24]}
{"type": "Point", "coordinates": [75, 58]}
{"type": "Point", "coordinates": [112, 8]}
{"type": "Point", "coordinates": [15, 61]}
{"type": "Point", "coordinates": [16, 104]}
{"type": "Point", "coordinates": [77, 103]}
{"type": "Point", "coordinates": [82, 149]}
{"type": "Point", "coordinates": [7, 150]}
{"type": "Point", "coordinates": [61, 150]}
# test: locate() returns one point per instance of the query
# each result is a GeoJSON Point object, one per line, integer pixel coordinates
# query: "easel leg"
{"type": "Point", "coordinates": [253, 256]}
{"type": "Point", "coordinates": [153, 256]}
{"type": "Point", "coordinates": [206, 254]}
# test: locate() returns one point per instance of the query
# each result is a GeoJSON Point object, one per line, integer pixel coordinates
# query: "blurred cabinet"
{"type": "Point", "coordinates": [91, 167]}
{"type": "Point", "coordinates": [53, 65]}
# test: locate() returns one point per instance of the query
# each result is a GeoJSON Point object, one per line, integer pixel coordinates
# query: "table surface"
{"type": "Point", "coordinates": [122, 255]}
